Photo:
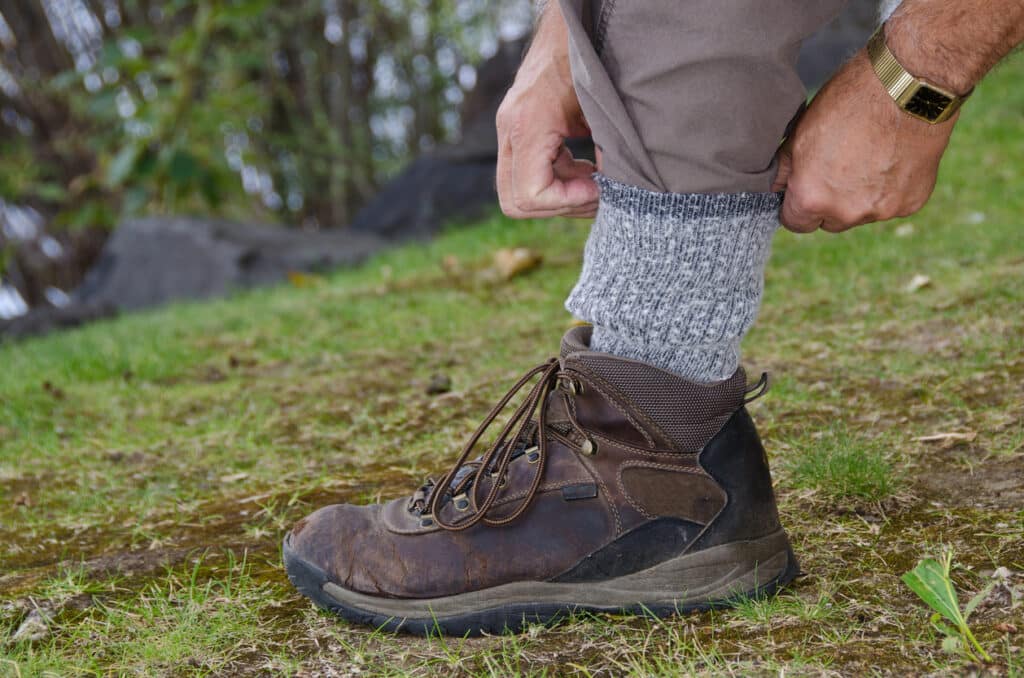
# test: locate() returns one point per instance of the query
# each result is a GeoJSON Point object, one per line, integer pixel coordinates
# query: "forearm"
{"type": "Point", "coordinates": [549, 44]}
{"type": "Point", "coordinates": [954, 43]}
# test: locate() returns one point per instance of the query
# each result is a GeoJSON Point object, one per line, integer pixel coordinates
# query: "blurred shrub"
{"type": "Point", "coordinates": [243, 107]}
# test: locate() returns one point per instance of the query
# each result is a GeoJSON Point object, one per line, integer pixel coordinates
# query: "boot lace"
{"type": "Point", "coordinates": [467, 476]}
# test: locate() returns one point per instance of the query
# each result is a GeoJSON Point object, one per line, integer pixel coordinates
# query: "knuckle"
{"type": "Point", "coordinates": [849, 217]}
{"type": "Point", "coordinates": [523, 204]}
{"type": "Point", "coordinates": [508, 207]}
{"type": "Point", "coordinates": [502, 118]}
{"type": "Point", "coordinates": [888, 209]}
{"type": "Point", "coordinates": [812, 200]}
{"type": "Point", "coordinates": [918, 202]}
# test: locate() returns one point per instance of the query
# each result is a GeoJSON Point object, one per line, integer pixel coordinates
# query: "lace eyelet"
{"type": "Point", "coordinates": [426, 521]}
{"type": "Point", "coordinates": [572, 385]}
{"type": "Point", "coordinates": [461, 502]}
{"type": "Point", "coordinates": [588, 447]}
{"type": "Point", "coordinates": [533, 454]}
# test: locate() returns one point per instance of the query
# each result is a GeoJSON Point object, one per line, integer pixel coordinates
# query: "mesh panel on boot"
{"type": "Point", "coordinates": [689, 413]}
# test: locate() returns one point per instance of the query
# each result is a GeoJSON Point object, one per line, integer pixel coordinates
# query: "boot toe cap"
{"type": "Point", "coordinates": [329, 539]}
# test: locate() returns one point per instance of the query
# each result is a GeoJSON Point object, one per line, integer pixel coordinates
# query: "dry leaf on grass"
{"type": "Point", "coordinates": [510, 262]}
{"type": "Point", "coordinates": [35, 627]}
{"type": "Point", "coordinates": [917, 282]}
{"type": "Point", "coordinates": [303, 280]}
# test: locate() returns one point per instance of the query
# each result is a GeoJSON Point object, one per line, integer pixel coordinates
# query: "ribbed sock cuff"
{"type": "Point", "coordinates": [675, 279]}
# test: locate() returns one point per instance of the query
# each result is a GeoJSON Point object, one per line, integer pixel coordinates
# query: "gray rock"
{"type": "Point", "coordinates": [44, 319]}
{"type": "Point", "coordinates": [147, 262]}
{"type": "Point", "coordinates": [438, 384]}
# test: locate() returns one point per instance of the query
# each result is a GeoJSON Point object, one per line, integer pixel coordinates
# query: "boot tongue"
{"type": "Point", "coordinates": [689, 413]}
{"type": "Point", "coordinates": [576, 340]}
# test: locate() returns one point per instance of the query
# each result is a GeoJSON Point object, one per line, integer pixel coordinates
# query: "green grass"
{"type": "Point", "coordinates": [842, 467]}
{"type": "Point", "coordinates": [130, 449]}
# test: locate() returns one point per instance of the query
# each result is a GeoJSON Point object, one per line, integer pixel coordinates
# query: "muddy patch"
{"type": "Point", "coordinates": [990, 483]}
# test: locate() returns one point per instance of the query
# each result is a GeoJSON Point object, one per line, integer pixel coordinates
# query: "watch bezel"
{"type": "Point", "coordinates": [904, 98]}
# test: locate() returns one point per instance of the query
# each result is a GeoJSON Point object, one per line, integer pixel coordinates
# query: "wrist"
{"type": "Point", "coordinates": [546, 66]}
{"type": "Point", "coordinates": [924, 57]}
{"type": "Point", "coordinates": [879, 106]}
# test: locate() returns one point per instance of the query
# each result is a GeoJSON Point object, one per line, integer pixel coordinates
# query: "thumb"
{"type": "Point", "coordinates": [577, 175]}
{"type": "Point", "coordinates": [785, 157]}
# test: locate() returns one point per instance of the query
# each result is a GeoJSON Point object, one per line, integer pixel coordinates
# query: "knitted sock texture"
{"type": "Point", "coordinates": [675, 279]}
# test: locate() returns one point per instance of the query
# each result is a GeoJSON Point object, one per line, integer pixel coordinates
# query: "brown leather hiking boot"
{"type": "Point", "coordinates": [633, 490]}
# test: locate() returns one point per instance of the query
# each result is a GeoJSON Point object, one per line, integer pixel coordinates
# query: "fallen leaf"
{"type": "Point", "coordinates": [966, 437]}
{"type": "Point", "coordinates": [23, 500]}
{"type": "Point", "coordinates": [303, 280]}
{"type": "Point", "coordinates": [35, 627]}
{"type": "Point", "coordinates": [512, 262]}
{"type": "Point", "coordinates": [917, 282]}
{"type": "Point", "coordinates": [234, 477]}
{"type": "Point", "coordinates": [1006, 627]}
{"type": "Point", "coordinates": [451, 265]}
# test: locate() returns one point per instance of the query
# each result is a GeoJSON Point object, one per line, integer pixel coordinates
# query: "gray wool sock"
{"type": "Point", "coordinates": [675, 279]}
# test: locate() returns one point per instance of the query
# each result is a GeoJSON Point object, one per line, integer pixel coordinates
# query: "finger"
{"type": "Point", "coordinates": [784, 171]}
{"type": "Point", "coordinates": [838, 225]}
{"type": "Point", "coordinates": [831, 225]}
{"type": "Point", "coordinates": [537, 188]}
{"type": "Point", "coordinates": [568, 167]}
{"type": "Point", "coordinates": [796, 217]}
{"type": "Point", "coordinates": [588, 211]}
{"type": "Point", "coordinates": [503, 177]}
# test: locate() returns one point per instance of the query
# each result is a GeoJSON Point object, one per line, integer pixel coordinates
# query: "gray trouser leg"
{"type": "Point", "coordinates": [687, 101]}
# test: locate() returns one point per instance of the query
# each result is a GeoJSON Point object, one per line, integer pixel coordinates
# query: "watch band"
{"type": "Point", "coordinates": [915, 96]}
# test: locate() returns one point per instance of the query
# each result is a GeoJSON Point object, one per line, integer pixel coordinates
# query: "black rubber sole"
{"type": "Point", "coordinates": [310, 579]}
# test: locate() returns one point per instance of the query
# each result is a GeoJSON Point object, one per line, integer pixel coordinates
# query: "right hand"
{"type": "Point", "coordinates": [537, 175]}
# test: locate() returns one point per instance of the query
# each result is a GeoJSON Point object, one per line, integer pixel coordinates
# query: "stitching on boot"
{"type": "Point", "coordinates": [608, 495]}
{"type": "Point", "coordinates": [689, 457]}
{"type": "Point", "coordinates": [663, 467]}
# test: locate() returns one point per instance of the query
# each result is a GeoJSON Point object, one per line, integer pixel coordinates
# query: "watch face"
{"type": "Point", "coordinates": [928, 103]}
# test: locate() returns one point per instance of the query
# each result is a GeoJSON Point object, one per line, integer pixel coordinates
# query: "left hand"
{"type": "Point", "coordinates": [855, 157]}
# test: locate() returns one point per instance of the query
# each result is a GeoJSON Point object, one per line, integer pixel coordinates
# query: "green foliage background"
{"type": "Point", "coordinates": [111, 108]}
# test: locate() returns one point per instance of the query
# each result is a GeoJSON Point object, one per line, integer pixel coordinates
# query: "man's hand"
{"type": "Point", "coordinates": [537, 174]}
{"type": "Point", "coordinates": [855, 157]}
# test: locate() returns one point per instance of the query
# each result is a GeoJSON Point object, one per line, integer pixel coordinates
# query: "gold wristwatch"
{"type": "Point", "coordinates": [915, 96]}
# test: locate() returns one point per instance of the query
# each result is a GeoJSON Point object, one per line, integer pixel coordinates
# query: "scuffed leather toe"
{"type": "Point", "coordinates": [339, 539]}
